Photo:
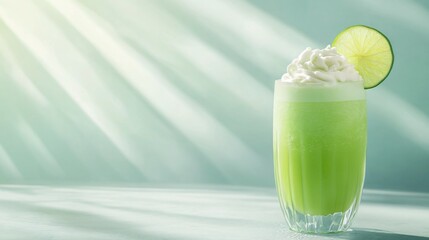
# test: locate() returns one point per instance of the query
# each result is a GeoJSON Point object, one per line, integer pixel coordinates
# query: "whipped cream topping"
{"type": "Point", "coordinates": [320, 66]}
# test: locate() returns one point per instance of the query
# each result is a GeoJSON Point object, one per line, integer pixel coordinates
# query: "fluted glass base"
{"type": "Point", "coordinates": [305, 223]}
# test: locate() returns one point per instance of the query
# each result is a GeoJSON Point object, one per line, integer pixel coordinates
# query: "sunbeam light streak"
{"type": "Point", "coordinates": [407, 119]}
{"type": "Point", "coordinates": [49, 163]}
{"type": "Point", "coordinates": [193, 121]}
{"type": "Point", "coordinates": [249, 28]}
{"type": "Point", "coordinates": [200, 66]}
{"type": "Point", "coordinates": [8, 166]}
{"type": "Point", "coordinates": [177, 41]}
{"type": "Point", "coordinates": [47, 57]}
{"type": "Point", "coordinates": [187, 46]}
{"type": "Point", "coordinates": [22, 80]}
{"type": "Point", "coordinates": [418, 20]}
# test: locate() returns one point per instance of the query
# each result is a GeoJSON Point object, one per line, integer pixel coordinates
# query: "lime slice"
{"type": "Point", "coordinates": [368, 50]}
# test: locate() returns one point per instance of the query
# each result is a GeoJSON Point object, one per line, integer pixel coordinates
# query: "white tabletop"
{"type": "Point", "coordinates": [121, 213]}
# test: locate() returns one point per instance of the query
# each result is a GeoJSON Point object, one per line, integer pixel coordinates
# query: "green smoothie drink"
{"type": "Point", "coordinates": [320, 129]}
{"type": "Point", "coordinates": [319, 146]}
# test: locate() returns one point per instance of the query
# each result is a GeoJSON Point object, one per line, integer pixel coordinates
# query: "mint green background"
{"type": "Point", "coordinates": [171, 92]}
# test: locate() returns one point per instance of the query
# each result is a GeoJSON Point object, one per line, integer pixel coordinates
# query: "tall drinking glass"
{"type": "Point", "coordinates": [320, 135]}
